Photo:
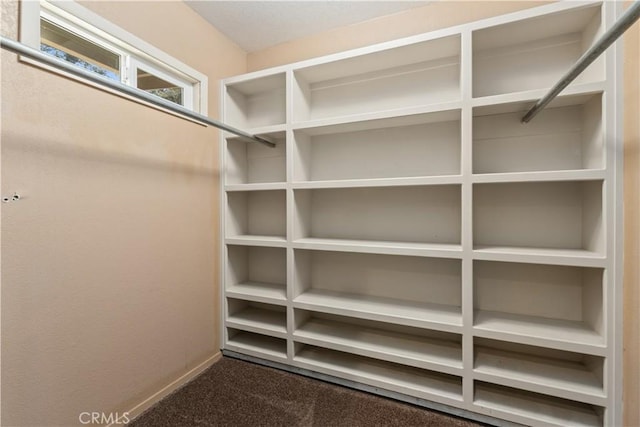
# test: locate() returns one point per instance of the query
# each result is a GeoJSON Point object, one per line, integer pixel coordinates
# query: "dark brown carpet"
{"type": "Point", "coordinates": [238, 393]}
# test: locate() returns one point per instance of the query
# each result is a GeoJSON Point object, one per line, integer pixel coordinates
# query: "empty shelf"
{"type": "Point", "coordinates": [529, 96]}
{"type": "Point", "coordinates": [404, 116]}
{"type": "Point", "coordinates": [433, 386]}
{"type": "Point", "coordinates": [260, 186]}
{"type": "Point", "coordinates": [576, 257]}
{"type": "Point", "coordinates": [537, 409]}
{"type": "Point", "coordinates": [550, 376]}
{"type": "Point", "coordinates": [257, 291]}
{"type": "Point", "coordinates": [413, 350]}
{"type": "Point", "coordinates": [256, 240]}
{"type": "Point", "coordinates": [269, 131]}
{"type": "Point", "coordinates": [435, 316]}
{"type": "Point", "coordinates": [256, 102]}
{"type": "Point", "coordinates": [436, 250]}
{"type": "Point", "coordinates": [258, 345]}
{"type": "Point", "coordinates": [561, 334]}
{"type": "Point", "coordinates": [260, 320]}
{"type": "Point", "coordinates": [565, 175]}
{"type": "Point", "coordinates": [380, 182]}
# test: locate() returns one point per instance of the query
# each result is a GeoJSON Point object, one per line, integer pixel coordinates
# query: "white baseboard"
{"type": "Point", "coordinates": [138, 409]}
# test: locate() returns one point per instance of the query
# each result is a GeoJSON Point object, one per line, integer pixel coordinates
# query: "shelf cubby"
{"type": "Point", "coordinates": [553, 372]}
{"type": "Point", "coordinates": [417, 214]}
{"type": "Point", "coordinates": [257, 317]}
{"type": "Point", "coordinates": [256, 273]}
{"type": "Point", "coordinates": [409, 146]}
{"type": "Point", "coordinates": [534, 53]}
{"type": "Point", "coordinates": [257, 345]}
{"type": "Point", "coordinates": [421, 348]}
{"type": "Point", "coordinates": [251, 163]}
{"type": "Point", "coordinates": [551, 305]}
{"type": "Point", "coordinates": [564, 216]}
{"type": "Point", "coordinates": [566, 137]}
{"type": "Point", "coordinates": [421, 383]}
{"type": "Point", "coordinates": [256, 102]}
{"type": "Point", "coordinates": [415, 291]}
{"type": "Point", "coordinates": [257, 214]}
{"type": "Point", "coordinates": [535, 409]}
{"type": "Point", "coordinates": [418, 74]}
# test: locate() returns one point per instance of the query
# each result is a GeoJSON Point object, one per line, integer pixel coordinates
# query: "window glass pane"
{"type": "Point", "coordinates": [61, 43]}
{"type": "Point", "coordinates": [159, 87]}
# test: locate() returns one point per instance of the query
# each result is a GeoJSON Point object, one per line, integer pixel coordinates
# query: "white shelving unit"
{"type": "Point", "coordinates": [409, 234]}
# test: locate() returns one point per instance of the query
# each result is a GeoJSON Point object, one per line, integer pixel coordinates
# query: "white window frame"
{"type": "Point", "coordinates": [134, 51]}
{"type": "Point", "coordinates": [131, 77]}
{"type": "Point", "coordinates": [88, 35]}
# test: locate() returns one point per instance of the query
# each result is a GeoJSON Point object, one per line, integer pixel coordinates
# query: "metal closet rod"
{"type": "Point", "coordinates": [626, 20]}
{"type": "Point", "coordinates": [29, 52]}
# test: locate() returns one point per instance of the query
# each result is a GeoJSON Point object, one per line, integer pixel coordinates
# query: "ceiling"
{"type": "Point", "coordinates": [256, 25]}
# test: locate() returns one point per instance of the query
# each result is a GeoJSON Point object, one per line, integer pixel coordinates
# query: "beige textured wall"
{"type": "Point", "coordinates": [109, 263]}
{"type": "Point", "coordinates": [444, 14]}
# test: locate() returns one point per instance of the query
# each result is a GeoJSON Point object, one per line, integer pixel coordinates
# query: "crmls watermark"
{"type": "Point", "coordinates": [103, 418]}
